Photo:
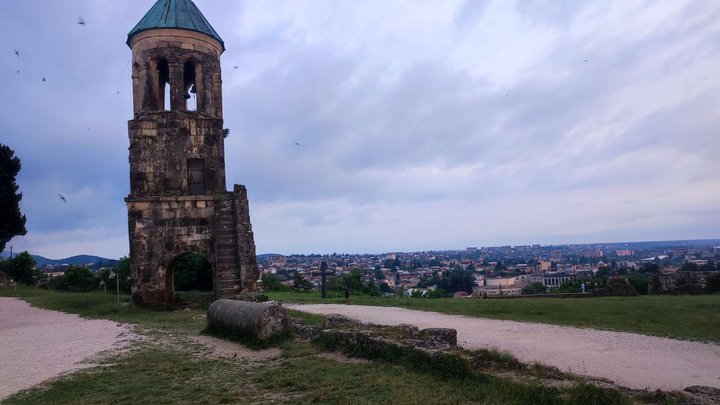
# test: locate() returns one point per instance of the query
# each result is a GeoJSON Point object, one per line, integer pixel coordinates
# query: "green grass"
{"type": "Point", "coordinates": [319, 380]}
{"type": "Point", "coordinates": [684, 317]}
{"type": "Point", "coordinates": [175, 376]}
{"type": "Point", "coordinates": [310, 319]}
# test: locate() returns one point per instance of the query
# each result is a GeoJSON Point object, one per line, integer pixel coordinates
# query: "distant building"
{"type": "Point", "coordinates": [496, 291]}
{"type": "Point", "coordinates": [624, 252]}
{"type": "Point", "coordinates": [556, 280]}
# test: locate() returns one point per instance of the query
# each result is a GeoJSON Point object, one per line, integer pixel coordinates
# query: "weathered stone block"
{"type": "Point", "coordinates": [252, 319]}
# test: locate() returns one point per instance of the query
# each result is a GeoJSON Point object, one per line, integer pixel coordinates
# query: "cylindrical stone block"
{"type": "Point", "coordinates": [261, 320]}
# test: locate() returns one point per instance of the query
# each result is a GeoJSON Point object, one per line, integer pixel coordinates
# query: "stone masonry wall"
{"type": "Point", "coordinates": [165, 228]}
{"type": "Point", "coordinates": [162, 143]}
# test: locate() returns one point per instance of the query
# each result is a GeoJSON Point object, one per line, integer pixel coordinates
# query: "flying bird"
{"type": "Point", "coordinates": [62, 198]}
{"type": "Point", "coordinates": [17, 53]}
{"type": "Point", "coordinates": [297, 144]}
{"type": "Point", "coordinates": [236, 68]}
{"type": "Point", "coordinates": [44, 79]}
{"type": "Point", "coordinates": [586, 60]}
{"type": "Point", "coordinates": [81, 21]}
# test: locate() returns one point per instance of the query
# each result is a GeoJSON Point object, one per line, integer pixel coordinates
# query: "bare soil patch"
{"type": "Point", "coordinates": [37, 345]}
{"type": "Point", "coordinates": [220, 348]}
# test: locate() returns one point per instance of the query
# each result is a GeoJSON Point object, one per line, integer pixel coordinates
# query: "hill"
{"type": "Point", "coordinates": [73, 260]}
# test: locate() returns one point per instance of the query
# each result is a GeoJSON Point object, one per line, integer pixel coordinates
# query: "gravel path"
{"type": "Point", "coordinates": [629, 359]}
{"type": "Point", "coordinates": [37, 344]}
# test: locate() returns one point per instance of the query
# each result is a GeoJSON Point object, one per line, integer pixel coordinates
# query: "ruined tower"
{"type": "Point", "coordinates": [178, 202]}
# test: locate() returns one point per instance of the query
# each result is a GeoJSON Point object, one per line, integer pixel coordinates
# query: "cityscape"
{"type": "Point", "coordinates": [504, 270]}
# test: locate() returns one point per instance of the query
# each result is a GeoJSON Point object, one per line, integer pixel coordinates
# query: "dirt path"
{"type": "Point", "coordinates": [37, 344]}
{"type": "Point", "coordinates": [632, 360]}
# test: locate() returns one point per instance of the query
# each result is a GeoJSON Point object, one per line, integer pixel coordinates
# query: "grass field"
{"type": "Point", "coordinates": [683, 317]}
{"type": "Point", "coordinates": [167, 368]}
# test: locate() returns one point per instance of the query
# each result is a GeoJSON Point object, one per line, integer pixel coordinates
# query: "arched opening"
{"type": "Point", "coordinates": [191, 276]}
{"type": "Point", "coordinates": [164, 102]}
{"type": "Point", "coordinates": [190, 85]}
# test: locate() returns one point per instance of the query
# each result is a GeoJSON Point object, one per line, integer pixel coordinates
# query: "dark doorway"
{"type": "Point", "coordinates": [192, 280]}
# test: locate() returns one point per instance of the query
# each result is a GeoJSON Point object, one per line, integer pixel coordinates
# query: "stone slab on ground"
{"type": "Point", "coordinates": [37, 345]}
{"type": "Point", "coordinates": [631, 360]}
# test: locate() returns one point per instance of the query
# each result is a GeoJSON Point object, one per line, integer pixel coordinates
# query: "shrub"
{"type": "Point", "coordinates": [271, 282]}
{"type": "Point", "coordinates": [75, 279]}
{"type": "Point", "coordinates": [20, 268]}
{"type": "Point", "coordinates": [713, 283]}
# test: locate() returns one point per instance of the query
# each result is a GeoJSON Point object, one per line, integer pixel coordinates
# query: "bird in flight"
{"type": "Point", "coordinates": [586, 60]}
{"type": "Point", "coordinates": [44, 79]}
{"type": "Point", "coordinates": [17, 53]}
{"type": "Point", "coordinates": [297, 144]}
{"type": "Point", "coordinates": [236, 68]}
{"type": "Point", "coordinates": [81, 21]}
{"type": "Point", "coordinates": [62, 198]}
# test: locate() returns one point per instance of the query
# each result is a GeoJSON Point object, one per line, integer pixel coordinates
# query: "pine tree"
{"type": "Point", "coordinates": [12, 222]}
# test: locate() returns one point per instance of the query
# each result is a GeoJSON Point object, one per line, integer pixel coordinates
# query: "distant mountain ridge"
{"type": "Point", "coordinates": [85, 259]}
{"type": "Point", "coordinates": [74, 260]}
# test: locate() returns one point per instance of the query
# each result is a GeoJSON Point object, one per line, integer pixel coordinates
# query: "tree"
{"type": "Point", "coordinates": [300, 283]}
{"type": "Point", "coordinates": [385, 288]}
{"type": "Point", "coordinates": [75, 279]}
{"type": "Point", "coordinates": [121, 269]}
{"type": "Point", "coordinates": [353, 280]}
{"type": "Point", "coordinates": [271, 282]}
{"type": "Point", "coordinates": [534, 288]}
{"type": "Point", "coordinates": [379, 275]}
{"type": "Point", "coordinates": [650, 268]}
{"type": "Point", "coordinates": [690, 266]}
{"type": "Point", "coordinates": [713, 283]}
{"type": "Point", "coordinates": [457, 280]}
{"type": "Point", "coordinates": [20, 268]}
{"type": "Point", "coordinates": [391, 263]}
{"type": "Point", "coordinates": [639, 281]}
{"type": "Point", "coordinates": [370, 288]}
{"type": "Point", "coordinates": [13, 222]}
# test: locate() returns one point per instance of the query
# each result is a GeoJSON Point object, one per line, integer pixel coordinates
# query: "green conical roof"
{"type": "Point", "coordinates": [178, 14]}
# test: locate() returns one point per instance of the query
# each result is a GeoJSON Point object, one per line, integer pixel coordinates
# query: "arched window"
{"type": "Point", "coordinates": [164, 102]}
{"type": "Point", "coordinates": [190, 85]}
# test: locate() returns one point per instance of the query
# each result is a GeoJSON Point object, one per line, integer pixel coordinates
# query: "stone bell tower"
{"type": "Point", "coordinates": [178, 203]}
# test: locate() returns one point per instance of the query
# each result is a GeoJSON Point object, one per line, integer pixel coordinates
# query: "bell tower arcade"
{"type": "Point", "coordinates": [178, 202]}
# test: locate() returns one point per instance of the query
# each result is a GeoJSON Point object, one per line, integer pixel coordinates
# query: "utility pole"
{"type": "Point", "coordinates": [11, 253]}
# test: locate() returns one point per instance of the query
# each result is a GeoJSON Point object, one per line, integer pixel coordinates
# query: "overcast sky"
{"type": "Point", "coordinates": [422, 124]}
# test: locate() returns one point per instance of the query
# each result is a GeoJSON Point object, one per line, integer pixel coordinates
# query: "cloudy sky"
{"type": "Point", "coordinates": [422, 124]}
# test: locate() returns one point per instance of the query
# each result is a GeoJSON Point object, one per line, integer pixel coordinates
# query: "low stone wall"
{"type": "Point", "coordinates": [559, 295]}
